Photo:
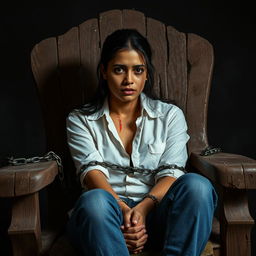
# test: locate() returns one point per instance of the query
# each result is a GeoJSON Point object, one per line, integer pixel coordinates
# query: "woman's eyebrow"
{"type": "Point", "coordinates": [135, 66]}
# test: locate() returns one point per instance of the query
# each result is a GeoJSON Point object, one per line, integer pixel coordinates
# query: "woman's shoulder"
{"type": "Point", "coordinates": [86, 113]}
{"type": "Point", "coordinates": [163, 106]}
{"type": "Point", "coordinates": [75, 116]}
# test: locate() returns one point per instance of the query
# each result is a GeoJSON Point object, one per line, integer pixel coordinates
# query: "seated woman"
{"type": "Point", "coordinates": [130, 152]}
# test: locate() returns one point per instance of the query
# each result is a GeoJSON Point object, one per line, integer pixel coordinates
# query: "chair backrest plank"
{"type": "Point", "coordinates": [177, 67]}
{"type": "Point", "coordinates": [156, 34]}
{"type": "Point", "coordinates": [45, 66]}
{"type": "Point", "coordinates": [89, 54]}
{"type": "Point", "coordinates": [134, 19]}
{"type": "Point", "coordinates": [200, 59]}
{"type": "Point", "coordinates": [69, 66]}
{"type": "Point", "coordinates": [109, 22]}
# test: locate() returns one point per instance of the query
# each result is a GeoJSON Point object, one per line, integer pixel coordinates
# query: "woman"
{"type": "Point", "coordinates": [130, 152]}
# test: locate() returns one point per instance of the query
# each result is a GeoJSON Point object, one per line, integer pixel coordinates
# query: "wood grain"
{"type": "Point", "coordinates": [156, 35]}
{"type": "Point", "coordinates": [72, 92]}
{"type": "Point", "coordinates": [177, 67]}
{"type": "Point", "coordinates": [25, 229]}
{"type": "Point", "coordinates": [200, 58]}
{"type": "Point", "coordinates": [90, 54]}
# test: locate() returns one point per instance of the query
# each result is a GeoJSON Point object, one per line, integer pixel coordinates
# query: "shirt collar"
{"type": "Point", "coordinates": [148, 105]}
{"type": "Point", "coordinates": [104, 110]}
{"type": "Point", "coordinates": [151, 106]}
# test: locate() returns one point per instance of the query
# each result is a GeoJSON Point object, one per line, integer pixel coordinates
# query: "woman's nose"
{"type": "Point", "coordinates": [128, 78]}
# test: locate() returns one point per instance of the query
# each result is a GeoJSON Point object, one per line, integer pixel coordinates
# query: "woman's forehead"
{"type": "Point", "coordinates": [128, 57]}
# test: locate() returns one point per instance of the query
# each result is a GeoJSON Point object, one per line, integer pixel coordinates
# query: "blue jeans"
{"type": "Point", "coordinates": [179, 225]}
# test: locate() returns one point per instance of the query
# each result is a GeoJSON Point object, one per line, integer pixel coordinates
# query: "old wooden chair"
{"type": "Point", "coordinates": [64, 70]}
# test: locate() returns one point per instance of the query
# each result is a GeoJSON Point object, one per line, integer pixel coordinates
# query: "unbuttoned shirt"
{"type": "Point", "coordinates": [160, 139]}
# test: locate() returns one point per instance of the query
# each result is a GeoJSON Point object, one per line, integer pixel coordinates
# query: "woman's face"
{"type": "Point", "coordinates": [126, 75]}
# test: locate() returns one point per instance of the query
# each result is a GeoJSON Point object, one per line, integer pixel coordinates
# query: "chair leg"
{"type": "Point", "coordinates": [236, 223]}
{"type": "Point", "coordinates": [25, 229]}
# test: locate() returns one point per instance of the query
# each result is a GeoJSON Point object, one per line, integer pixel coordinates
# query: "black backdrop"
{"type": "Point", "coordinates": [230, 27]}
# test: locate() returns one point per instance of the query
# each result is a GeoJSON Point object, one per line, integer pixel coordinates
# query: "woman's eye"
{"type": "Point", "coordinates": [118, 70]}
{"type": "Point", "coordinates": [139, 70]}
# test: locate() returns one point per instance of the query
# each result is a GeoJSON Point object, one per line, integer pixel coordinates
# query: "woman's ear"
{"type": "Point", "coordinates": [103, 72]}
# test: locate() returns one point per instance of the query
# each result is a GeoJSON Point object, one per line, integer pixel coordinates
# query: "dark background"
{"type": "Point", "coordinates": [230, 28]}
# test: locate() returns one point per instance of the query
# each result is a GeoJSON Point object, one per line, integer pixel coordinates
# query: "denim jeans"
{"type": "Point", "coordinates": [179, 226]}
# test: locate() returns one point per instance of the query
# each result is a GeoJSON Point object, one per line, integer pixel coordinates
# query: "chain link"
{"type": "Point", "coordinates": [36, 159]}
{"type": "Point", "coordinates": [131, 170]}
{"type": "Point", "coordinates": [210, 151]}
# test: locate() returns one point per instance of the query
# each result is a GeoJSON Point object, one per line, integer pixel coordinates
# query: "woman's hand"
{"type": "Point", "coordinates": [135, 238]}
{"type": "Point", "coordinates": [134, 227]}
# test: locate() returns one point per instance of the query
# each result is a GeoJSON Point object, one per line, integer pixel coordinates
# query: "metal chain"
{"type": "Point", "coordinates": [130, 169]}
{"type": "Point", "coordinates": [47, 157]}
{"type": "Point", "coordinates": [210, 151]}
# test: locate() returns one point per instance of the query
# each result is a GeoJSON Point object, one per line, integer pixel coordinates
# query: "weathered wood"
{"type": "Point", "coordinates": [7, 183]}
{"type": "Point", "coordinates": [89, 54]}
{"type": "Point", "coordinates": [72, 92]}
{"type": "Point", "coordinates": [134, 20]}
{"type": "Point", "coordinates": [156, 35]}
{"type": "Point", "coordinates": [44, 64]}
{"type": "Point", "coordinates": [228, 170]}
{"type": "Point", "coordinates": [26, 179]}
{"type": "Point", "coordinates": [25, 229]}
{"type": "Point", "coordinates": [177, 67]}
{"type": "Point", "coordinates": [249, 169]}
{"type": "Point", "coordinates": [200, 58]}
{"type": "Point", "coordinates": [22, 182]}
{"type": "Point", "coordinates": [236, 223]}
{"type": "Point", "coordinates": [109, 22]}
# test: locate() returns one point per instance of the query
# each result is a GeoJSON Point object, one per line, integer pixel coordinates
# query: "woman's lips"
{"type": "Point", "coordinates": [128, 91]}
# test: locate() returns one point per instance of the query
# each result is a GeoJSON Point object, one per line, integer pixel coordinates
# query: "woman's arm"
{"type": "Point", "coordinates": [159, 190]}
{"type": "Point", "coordinates": [96, 179]}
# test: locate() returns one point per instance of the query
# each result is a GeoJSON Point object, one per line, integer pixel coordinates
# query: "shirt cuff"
{"type": "Point", "coordinates": [175, 173]}
{"type": "Point", "coordinates": [90, 168]}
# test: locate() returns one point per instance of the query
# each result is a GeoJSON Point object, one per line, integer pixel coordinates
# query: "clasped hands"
{"type": "Point", "coordinates": [134, 228]}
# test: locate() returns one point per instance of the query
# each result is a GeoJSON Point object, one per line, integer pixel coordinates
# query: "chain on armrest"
{"type": "Point", "coordinates": [50, 156]}
{"type": "Point", "coordinates": [210, 151]}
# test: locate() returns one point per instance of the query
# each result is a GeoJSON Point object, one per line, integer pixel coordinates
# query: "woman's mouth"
{"type": "Point", "coordinates": [128, 91]}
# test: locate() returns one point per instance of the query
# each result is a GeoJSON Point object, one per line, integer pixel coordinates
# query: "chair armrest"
{"type": "Point", "coordinates": [26, 179]}
{"type": "Point", "coordinates": [229, 170]}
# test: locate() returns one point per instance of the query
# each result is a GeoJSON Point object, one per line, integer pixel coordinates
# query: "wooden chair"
{"type": "Point", "coordinates": [64, 70]}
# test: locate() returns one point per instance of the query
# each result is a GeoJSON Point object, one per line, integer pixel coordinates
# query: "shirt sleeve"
{"type": "Point", "coordinates": [82, 146]}
{"type": "Point", "coordinates": [176, 145]}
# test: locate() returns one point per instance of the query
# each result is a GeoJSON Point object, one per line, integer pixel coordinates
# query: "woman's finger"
{"type": "Point", "coordinates": [133, 229]}
{"type": "Point", "coordinates": [127, 219]}
{"type": "Point", "coordinates": [134, 236]}
{"type": "Point", "coordinates": [135, 250]}
{"type": "Point", "coordinates": [137, 243]}
{"type": "Point", "coordinates": [135, 218]}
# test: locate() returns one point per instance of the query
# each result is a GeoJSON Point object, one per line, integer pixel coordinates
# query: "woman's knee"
{"type": "Point", "coordinates": [198, 188]}
{"type": "Point", "coordinates": [94, 201]}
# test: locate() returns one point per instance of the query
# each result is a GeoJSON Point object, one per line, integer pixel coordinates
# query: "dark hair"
{"type": "Point", "coordinates": [118, 40]}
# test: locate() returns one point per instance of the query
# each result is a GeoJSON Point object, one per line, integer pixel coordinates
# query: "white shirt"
{"type": "Point", "coordinates": [160, 139]}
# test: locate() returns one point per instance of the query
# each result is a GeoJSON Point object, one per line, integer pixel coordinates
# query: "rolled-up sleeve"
{"type": "Point", "coordinates": [176, 146]}
{"type": "Point", "coordinates": [82, 146]}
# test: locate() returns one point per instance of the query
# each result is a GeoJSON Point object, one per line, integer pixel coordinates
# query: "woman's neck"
{"type": "Point", "coordinates": [124, 109]}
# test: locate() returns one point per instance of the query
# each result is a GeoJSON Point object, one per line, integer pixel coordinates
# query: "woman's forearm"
{"type": "Point", "coordinates": [162, 186]}
{"type": "Point", "coordinates": [96, 179]}
{"type": "Point", "coordinates": [159, 190]}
